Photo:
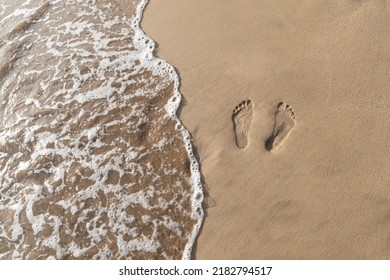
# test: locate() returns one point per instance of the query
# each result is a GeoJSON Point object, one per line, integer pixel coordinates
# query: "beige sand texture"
{"type": "Point", "coordinates": [325, 194]}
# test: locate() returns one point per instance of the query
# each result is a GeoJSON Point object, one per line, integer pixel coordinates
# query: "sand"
{"type": "Point", "coordinates": [324, 192]}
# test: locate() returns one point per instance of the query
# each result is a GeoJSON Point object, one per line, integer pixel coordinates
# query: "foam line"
{"type": "Point", "coordinates": [146, 46]}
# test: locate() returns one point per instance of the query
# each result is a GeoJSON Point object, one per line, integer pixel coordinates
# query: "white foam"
{"type": "Point", "coordinates": [68, 145]}
{"type": "Point", "coordinates": [24, 165]}
{"type": "Point", "coordinates": [147, 45]}
{"type": "Point", "coordinates": [36, 221]}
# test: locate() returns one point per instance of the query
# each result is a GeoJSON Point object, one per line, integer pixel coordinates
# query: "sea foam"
{"type": "Point", "coordinates": [94, 161]}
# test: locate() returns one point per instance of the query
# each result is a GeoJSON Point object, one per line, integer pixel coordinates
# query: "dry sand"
{"type": "Point", "coordinates": [325, 194]}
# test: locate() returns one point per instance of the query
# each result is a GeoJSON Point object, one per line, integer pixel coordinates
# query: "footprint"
{"type": "Point", "coordinates": [284, 123]}
{"type": "Point", "coordinates": [242, 119]}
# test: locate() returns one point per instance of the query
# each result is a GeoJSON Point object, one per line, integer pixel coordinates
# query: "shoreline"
{"type": "Point", "coordinates": [172, 108]}
{"type": "Point", "coordinates": [95, 163]}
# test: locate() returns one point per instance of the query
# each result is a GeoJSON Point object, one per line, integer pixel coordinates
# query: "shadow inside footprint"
{"type": "Point", "coordinates": [270, 143]}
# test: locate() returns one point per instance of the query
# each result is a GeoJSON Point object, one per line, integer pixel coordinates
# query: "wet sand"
{"type": "Point", "coordinates": [92, 165]}
{"type": "Point", "coordinates": [323, 193]}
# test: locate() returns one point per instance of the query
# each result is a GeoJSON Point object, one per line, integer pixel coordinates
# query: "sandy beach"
{"type": "Point", "coordinates": [323, 192]}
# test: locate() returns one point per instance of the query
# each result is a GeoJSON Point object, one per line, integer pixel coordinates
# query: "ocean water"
{"type": "Point", "coordinates": [94, 163]}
